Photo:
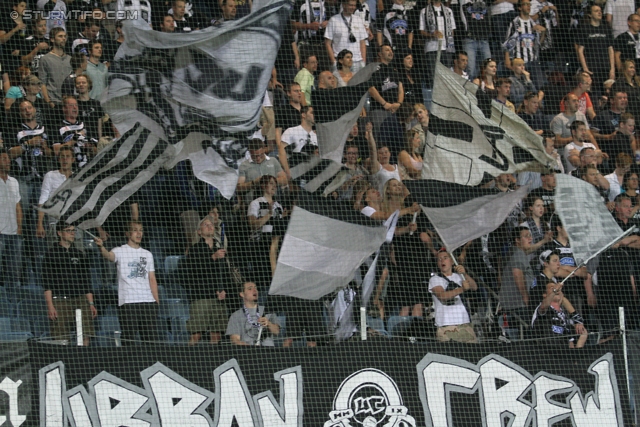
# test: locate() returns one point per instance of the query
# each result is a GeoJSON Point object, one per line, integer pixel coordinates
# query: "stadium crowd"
{"type": "Point", "coordinates": [568, 70]}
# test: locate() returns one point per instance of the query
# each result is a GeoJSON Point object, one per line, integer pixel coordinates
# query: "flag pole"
{"type": "Point", "coordinates": [613, 242]}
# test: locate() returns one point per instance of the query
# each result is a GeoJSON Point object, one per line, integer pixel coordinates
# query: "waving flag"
{"type": "Point", "coordinates": [463, 145]}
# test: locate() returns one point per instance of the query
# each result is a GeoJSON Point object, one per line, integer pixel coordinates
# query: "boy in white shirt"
{"type": "Point", "coordinates": [138, 299]}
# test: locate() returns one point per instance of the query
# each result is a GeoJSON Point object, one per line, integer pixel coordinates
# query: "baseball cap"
{"type": "Point", "coordinates": [545, 255]}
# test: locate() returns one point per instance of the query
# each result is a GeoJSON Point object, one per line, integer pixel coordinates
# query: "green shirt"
{"type": "Point", "coordinates": [305, 79]}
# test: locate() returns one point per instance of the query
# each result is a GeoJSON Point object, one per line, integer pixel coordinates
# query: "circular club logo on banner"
{"type": "Point", "coordinates": [369, 398]}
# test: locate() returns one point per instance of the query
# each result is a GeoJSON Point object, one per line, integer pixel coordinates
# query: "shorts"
{"type": "Point", "coordinates": [65, 323]}
{"type": "Point", "coordinates": [459, 333]}
{"type": "Point", "coordinates": [207, 315]}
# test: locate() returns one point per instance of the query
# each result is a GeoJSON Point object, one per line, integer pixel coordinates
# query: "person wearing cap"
{"type": "Point", "coordinates": [451, 314]}
{"type": "Point", "coordinates": [255, 167]}
{"type": "Point", "coordinates": [555, 316]}
{"type": "Point", "coordinates": [208, 276]}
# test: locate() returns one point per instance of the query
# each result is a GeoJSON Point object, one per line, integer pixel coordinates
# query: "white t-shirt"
{"type": "Point", "coordinates": [134, 266]}
{"type": "Point", "coordinates": [619, 11]}
{"type": "Point", "coordinates": [614, 186]}
{"type": "Point", "coordinates": [500, 8]}
{"type": "Point", "coordinates": [338, 32]}
{"type": "Point", "coordinates": [9, 197]}
{"type": "Point", "coordinates": [568, 167]}
{"type": "Point", "coordinates": [447, 315]}
{"type": "Point", "coordinates": [52, 180]}
{"type": "Point", "coordinates": [299, 137]}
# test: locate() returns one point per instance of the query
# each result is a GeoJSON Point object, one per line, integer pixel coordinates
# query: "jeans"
{"type": "Point", "coordinates": [11, 254]}
{"type": "Point", "coordinates": [500, 25]}
{"type": "Point", "coordinates": [477, 52]}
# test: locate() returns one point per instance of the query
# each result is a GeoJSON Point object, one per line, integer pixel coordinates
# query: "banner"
{"type": "Point", "coordinates": [371, 383]}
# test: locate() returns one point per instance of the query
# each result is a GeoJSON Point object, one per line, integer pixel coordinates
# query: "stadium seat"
{"type": "Point", "coordinates": [107, 325]}
{"type": "Point", "coordinates": [282, 321]}
{"type": "Point", "coordinates": [376, 324]}
{"type": "Point", "coordinates": [6, 308]}
{"type": "Point", "coordinates": [171, 308]}
{"type": "Point", "coordinates": [179, 330]}
{"type": "Point", "coordinates": [171, 264]}
{"type": "Point", "coordinates": [175, 291]}
{"type": "Point", "coordinates": [11, 330]}
{"type": "Point", "coordinates": [396, 321]}
{"type": "Point", "coordinates": [30, 291]}
{"type": "Point", "coordinates": [34, 309]}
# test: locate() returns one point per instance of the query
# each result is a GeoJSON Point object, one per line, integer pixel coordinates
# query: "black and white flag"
{"type": "Point", "coordinates": [217, 75]}
{"type": "Point", "coordinates": [119, 170]}
{"type": "Point", "coordinates": [585, 217]}
{"type": "Point", "coordinates": [313, 264]}
{"type": "Point", "coordinates": [461, 213]}
{"type": "Point", "coordinates": [337, 110]}
{"type": "Point", "coordinates": [465, 146]}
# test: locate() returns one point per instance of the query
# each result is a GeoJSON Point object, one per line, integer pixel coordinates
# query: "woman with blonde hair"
{"type": "Point", "coordinates": [411, 248]}
{"type": "Point", "coordinates": [410, 159]}
{"type": "Point", "coordinates": [421, 116]}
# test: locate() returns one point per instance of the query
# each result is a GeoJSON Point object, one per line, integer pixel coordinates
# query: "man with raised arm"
{"type": "Point", "coordinates": [137, 286]}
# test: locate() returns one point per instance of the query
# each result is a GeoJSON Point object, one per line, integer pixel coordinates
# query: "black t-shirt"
{"type": "Point", "coordinates": [387, 81]}
{"type": "Point", "coordinates": [285, 56]}
{"type": "Point", "coordinates": [287, 117]}
{"type": "Point", "coordinates": [32, 162]}
{"type": "Point", "coordinates": [535, 121]}
{"type": "Point", "coordinates": [66, 272]}
{"type": "Point", "coordinates": [11, 62]}
{"type": "Point", "coordinates": [30, 43]}
{"type": "Point", "coordinates": [620, 144]}
{"type": "Point", "coordinates": [397, 27]}
{"type": "Point", "coordinates": [204, 275]}
{"type": "Point", "coordinates": [606, 122]}
{"type": "Point", "coordinates": [626, 43]}
{"type": "Point", "coordinates": [596, 42]}
{"type": "Point", "coordinates": [90, 112]}
{"type": "Point", "coordinates": [552, 323]}
{"type": "Point", "coordinates": [477, 18]}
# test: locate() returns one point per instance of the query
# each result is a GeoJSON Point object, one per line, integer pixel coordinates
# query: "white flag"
{"type": "Point", "coordinates": [463, 145]}
{"type": "Point", "coordinates": [585, 217]}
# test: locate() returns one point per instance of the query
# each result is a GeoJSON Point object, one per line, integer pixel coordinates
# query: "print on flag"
{"type": "Point", "coordinates": [464, 146]}
{"type": "Point", "coordinates": [585, 217]}
{"type": "Point", "coordinates": [90, 195]}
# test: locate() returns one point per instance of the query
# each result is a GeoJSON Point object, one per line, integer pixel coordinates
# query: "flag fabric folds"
{"type": "Point", "coordinates": [465, 146]}
{"type": "Point", "coordinates": [174, 97]}
{"type": "Point", "coordinates": [461, 213]}
{"type": "Point", "coordinates": [218, 74]}
{"type": "Point", "coordinates": [337, 110]}
{"type": "Point", "coordinates": [90, 195]}
{"type": "Point", "coordinates": [312, 264]}
{"type": "Point", "coordinates": [585, 217]}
